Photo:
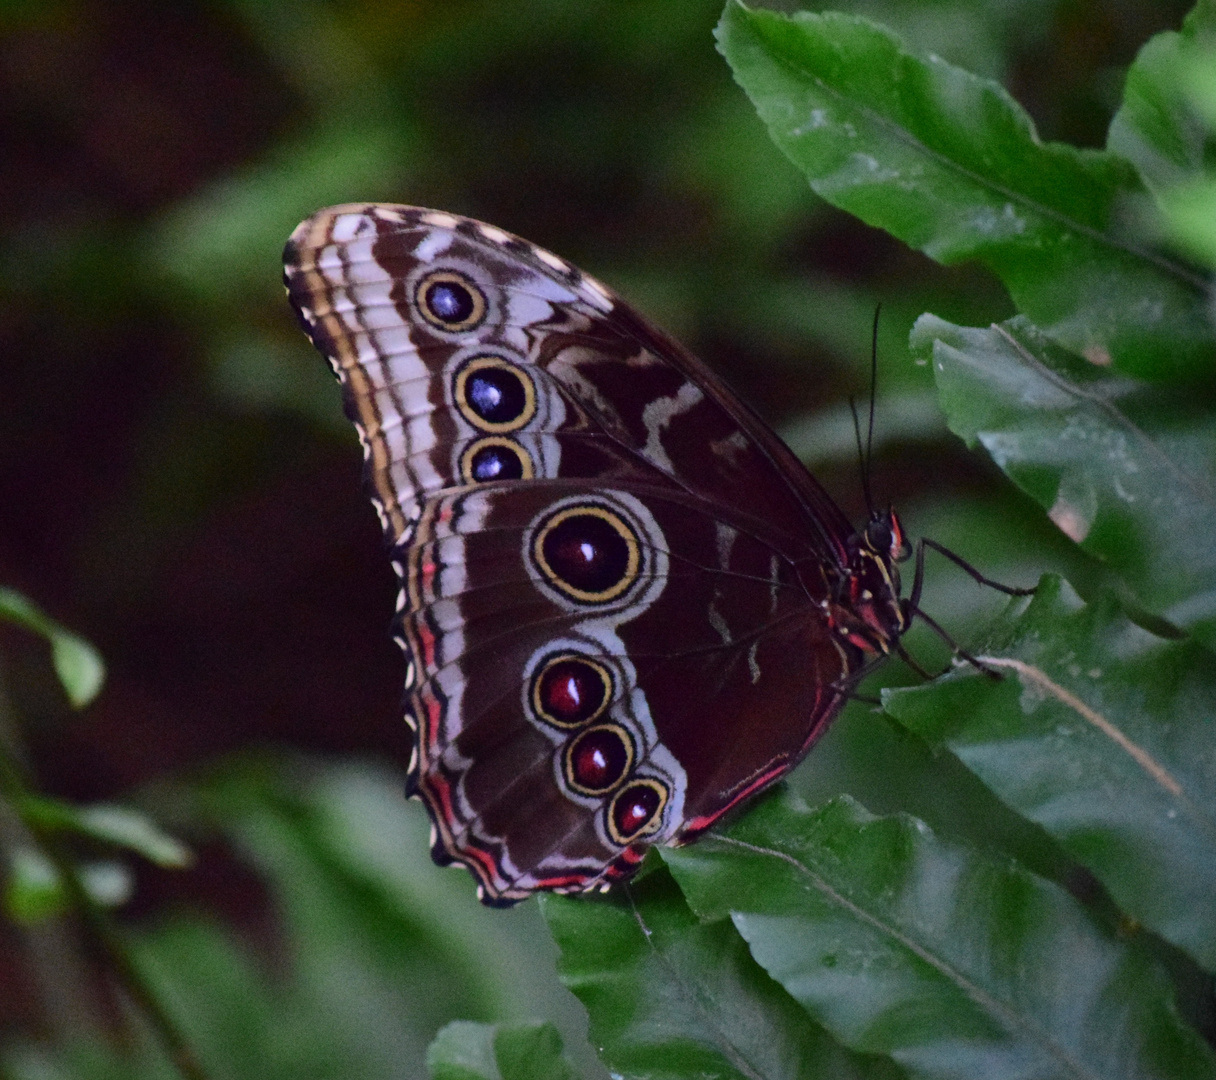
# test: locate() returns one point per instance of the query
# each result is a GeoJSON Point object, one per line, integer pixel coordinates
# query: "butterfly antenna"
{"type": "Point", "coordinates": [873, 394]}
{"type": "Point", "coordinates": [861, 457]}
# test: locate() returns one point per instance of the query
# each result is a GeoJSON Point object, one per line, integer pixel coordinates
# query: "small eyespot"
{"type": "Point", "coordinates": [598, 759]}
{"type": "Point", "coordinates": [636, 810]}
{"type": "Point", "coordinates": [494, 395]}
{"type": "Point", "coordinates": [450, 300]}
{"type": "Point", "coordinates": [588, 553]}
{"type": "Point", "coordinates": [571, 690]}
{"type": "Point", "coordinates": [495, 459]}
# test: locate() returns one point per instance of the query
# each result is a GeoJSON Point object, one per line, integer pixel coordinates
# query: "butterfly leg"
{"type": "Point", "coordinates": [957, 649]}
{"type": "Point", "coordinates": [959, 561]}
{"type": "Point", "coordinates": [913, 607]}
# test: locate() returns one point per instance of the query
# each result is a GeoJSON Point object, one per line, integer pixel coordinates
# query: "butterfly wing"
{"type": "Point", "coordinates": [612, 572]}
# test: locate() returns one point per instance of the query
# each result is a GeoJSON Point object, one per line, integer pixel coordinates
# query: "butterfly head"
{"type": "Point", "coordinates": [870, 612]}
{"type": "Point", "coordinates": [884, 538]}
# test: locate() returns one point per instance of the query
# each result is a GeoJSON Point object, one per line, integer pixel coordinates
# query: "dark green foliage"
{"type": "Point", "coordinates": [671, 995]}
{"type": "Point", "coordinates": [1104, 735]}
{"type": "Point", "coordinates": [1056, 919]}
{"type": "Point", "coordinates": [951, 165]}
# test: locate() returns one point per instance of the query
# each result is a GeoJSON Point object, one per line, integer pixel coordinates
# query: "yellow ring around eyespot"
{"type": "Point", "coordinates": [568, 763]}
{"type": "Point", "coordinates": [460, 395]}
{"type": "Point", "coordinates": [436, 277]}
{"type": "Point", "coordinates": [466, 459]}
{"type": "Point", "coordinates": [605, 677]}
{"type": "Point", "coordinates": [622, 529]}
{"type": "Point", "coordinates": [656, 819]}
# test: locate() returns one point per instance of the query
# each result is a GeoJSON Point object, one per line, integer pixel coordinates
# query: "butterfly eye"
{"type": "Point", "coordinates": [450, 301]}
{"type": "Point", "coordinates": [598, 759]}
{"type": "Point", "coordinates": [571, 690]}
{"type": "Point", "coordinates": [495, 459]}
{"type": "Point", "coordinates": [878, 536]}
{"type": "Point", "coordinates": [588, 553]}
{"type": "Point", "coordinates": [636, 810]}
{"type": "Point", "coordinates": [494, 395]}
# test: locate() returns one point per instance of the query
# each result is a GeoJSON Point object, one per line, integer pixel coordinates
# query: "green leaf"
{"type": "Point", "coordinates": [672, 998]}
{"type": "Point", "coordinates": [121, 825]}
{"type": "Point", "coordinates": [1122, 468]}
{"type": "Point", "coordinates": [953, 964]}
{"type": "Point", "coordinates": [218, 243]}
{"type": "Point", "coordinates": [386, 947]}
{"type": "Point", "coordinates": [77, 663]}
{"type": "Point", "coordinates": [950, 164]}
{"type": "Point", "coordinates": [34, 890]}
{"type": "Point", "coordinates": [463, 1050]}
{"type": "Point", "coordinates": [1158, 127]}
{"type": "Point", "coordinates": [1167, 128]}
{"type": "Point", "coordinates": [108, 883]}
{"type": "Point", "coordinates": [1104, 735]}
{"type": "Point", "coordinates": [467, 1051]}
{"type": "Point", "coordinates": [1190, 210]}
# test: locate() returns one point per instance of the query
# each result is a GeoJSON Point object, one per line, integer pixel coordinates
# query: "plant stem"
{"type": "Point", "coordinates": [98, 926]}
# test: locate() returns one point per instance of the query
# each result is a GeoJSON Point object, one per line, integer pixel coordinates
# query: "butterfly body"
{"type": "Point", "coordinates": [625, 606]}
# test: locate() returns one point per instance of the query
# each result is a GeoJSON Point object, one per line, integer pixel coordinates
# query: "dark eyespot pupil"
{"type": "Point", "coordinates": [571, 691]}
{"type": "Point", "coordinates": [449, 301]}
{"type": "Point", "coordinates": [495, 463]}
{"type": "Point", "coordinates": [599, 759]}
{"type": "Point", "coordinates": [634, 808]}
{"type": "Point", "coordinates": [586, 552]}
{"type": "Point", "coordinates": [496, 395]}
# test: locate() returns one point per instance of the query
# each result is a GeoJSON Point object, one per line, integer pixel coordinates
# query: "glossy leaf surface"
{"type": "Point", "coordinates": [1158, 128]}
{"type": "Point", "coordinates": [1122, 468]}
{"type": "Point", "coordinates": [951, 164]}
{"type": "Point", "coordinates": [671, 997]}
{"type": "Point", "coordinates": [952, 963]}
{"type": "Point", "coordinates": [1106, 736]}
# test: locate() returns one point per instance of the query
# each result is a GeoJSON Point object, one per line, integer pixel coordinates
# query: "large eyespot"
{"type": "Point", "coordinates": [494, 395]}
{"type": "Point", "coordinates": [636, 810]}
{"type": "Point", "coordinates": [495, 459]}
{"type": "Point", "coordinates": [571, 690]}
{"type": "Point", "coordinates": [598, 759]}
{"type": "Point", "coordinates": [588, 553]}
{"type": "Point", "coordinates": [450, 300]}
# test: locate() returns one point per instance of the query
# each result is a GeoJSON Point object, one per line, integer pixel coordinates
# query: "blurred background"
{"type": "Point", "coordinates": [178, 484]}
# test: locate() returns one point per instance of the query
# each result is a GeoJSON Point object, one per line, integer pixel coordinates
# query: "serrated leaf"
{"type": "Point", "coordinates": [955, 965]}
{"type": "Point", "coordinates": [79, 666]}
{"type": "Point", "coordinates": [1167, 128]}
{"type": "Point", "coordinates": [671, 998]}
{"type": "Point", "coordinates": [1122, 468]}
{"type": "Point", "coordinates": [1106, 736]}
{"type": "Point", "coordinates": [467, 1051]}
{"type": "Point", "coordinates": [950, 164]}
{"type": "Point", "coordinates": [1158, 127]}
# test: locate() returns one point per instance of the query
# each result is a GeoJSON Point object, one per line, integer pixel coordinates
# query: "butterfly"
{"type": "Point", "coordinates": [626, 607]}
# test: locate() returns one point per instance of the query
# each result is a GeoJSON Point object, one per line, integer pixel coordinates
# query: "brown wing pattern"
{"type": "Point", "coordinates": [615, 579]}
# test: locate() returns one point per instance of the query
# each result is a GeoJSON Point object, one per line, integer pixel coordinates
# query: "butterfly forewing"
{"type": "Point", "coordinates": [617, 584]}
